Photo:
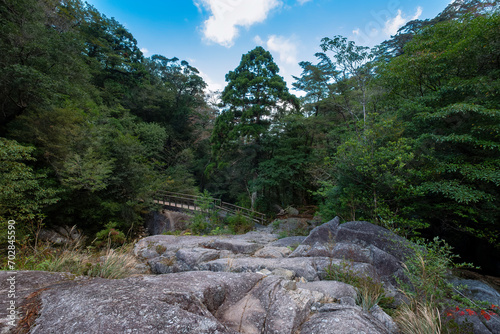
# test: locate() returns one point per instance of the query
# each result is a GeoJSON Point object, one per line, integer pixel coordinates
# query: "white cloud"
{"type": "Point", "coordinates": [356, 31]}
{"type": "Point", "coordinates": [417, 13]}
{"type": "Point", "coordinates": [211, 84]}
{"type": "Point", "coordinates": [303, 1]}
{"type": "Point", "coordinates": [258, 40]}
{"type": "Point", "coordinates": [392, 25]}
{"type": "Point", "coordinates": [145, 51]}
{"type": "Point", "coordinates": [227, 15]}
{"type": "Point", "coordinates": [285, 47]}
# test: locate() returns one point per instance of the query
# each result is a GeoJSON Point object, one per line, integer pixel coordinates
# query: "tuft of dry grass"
{"type": "Point", "coordinates": [115, 264]}
{"type": "Point", "coordinates": [418, 318]}
{"type": "Point", "coordinates": [112, 264]}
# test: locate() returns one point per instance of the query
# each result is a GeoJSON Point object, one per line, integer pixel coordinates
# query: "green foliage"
{"type": "Point", "coordinates": [206, 219]}
{"type": "Point", "coordinates": [239, 224]}
{"type": "Point", "coordinates": [106, 125]}
{"type": "Point", "coordinates": [342, 273]}
{"type": "Point", "coordinates": [110, 236]}
{"type": "Point", "coordinates": [372, 178]}
{"type": "Point", "coordinates": [429, 155]}
{"type": "Point", "coordinates": [445, 87]}
{"type": "Point", "coordinates": [255, 97]}
{"type": "Point", "coordinates": [427, 271]}
{"type": "Point", "coordinates": [88, 172]}
{"type": "Point", "coordinates": [428, 291]}
{"type": "Point", "coordinates": [23, 192]}
{"type": "Point", "coordinates": [283, 177]}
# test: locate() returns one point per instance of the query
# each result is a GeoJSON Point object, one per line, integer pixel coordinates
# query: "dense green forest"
{"type": "Point", "coordinates": [405, 135]}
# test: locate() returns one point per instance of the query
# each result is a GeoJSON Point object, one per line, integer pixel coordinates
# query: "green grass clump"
{"type": "Point", "coordinates": [369, 291]}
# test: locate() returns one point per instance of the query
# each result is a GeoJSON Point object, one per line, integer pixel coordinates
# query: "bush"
{"type": "Point", "coordinates": [110, 236]}
{"type": "Point", "coordinates": [427, 270]}
{"type": "Point", "coordinates": [207, 219]}
{"type": "Point", "coordinates": [239, 224]}
{"type": "Point", "coordinates": [427, 290]}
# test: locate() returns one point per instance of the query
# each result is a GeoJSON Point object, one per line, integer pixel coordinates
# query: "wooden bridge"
{"type": "Point", "coordinates": [205, 204]}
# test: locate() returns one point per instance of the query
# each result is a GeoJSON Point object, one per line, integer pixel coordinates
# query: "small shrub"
{"type": "Point", "coordinates": [72, 261]}
{"type": "Point", "coordinates": [276, 224]}
{"type": "Point", "coordinates": [221, 230]}
{"type": "Point", "coordinates": [113, 264]}
{"type": "Point", "coordinates": [239, 224]}
{"type": "Point", "coordinates": [110, 236]}
{"type": "Point", "coordinates": [426, 271]}
{"type": "Point", "coordinates": [200, 224]}
{"type": "Point", "coordinates": [205, 220]}
{"type": "Point", "coordinates": [427, 290]}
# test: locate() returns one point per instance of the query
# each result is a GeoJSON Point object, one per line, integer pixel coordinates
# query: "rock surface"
{"type": "Point", "coordinates": [189, 302]}
{"type": "Point", "coordinates": [250, 283]}
{"type": "Point", "coordinates": [165, 221]}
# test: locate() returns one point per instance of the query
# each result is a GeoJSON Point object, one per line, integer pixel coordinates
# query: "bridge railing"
{"type": "Point", "coordinates": [249, 213]}
{"type": "Point", "coordinates": [190, 202]}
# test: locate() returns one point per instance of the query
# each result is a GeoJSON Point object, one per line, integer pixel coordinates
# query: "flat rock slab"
{"type": "Point", "coordinates": [156, 245]}
{"type": "Point", "coordinates": [311, 268]}
{"type": "Point", "coordinates": [333, 289]}
{"type": "Point", "coordinates": [288, 242]}
{"type": "Point", "coordinates": [258, 237]}
{"type": "Point", "coordinates": [26, 284]}
{"type": "Point", "coordinates": [340, 319]}
{"type": "Point", "coordinates": [273, 252]}
{"type": "Point", "coordinates": [234, 245]}
{"type": "Point", "coordinates": [302, 267]}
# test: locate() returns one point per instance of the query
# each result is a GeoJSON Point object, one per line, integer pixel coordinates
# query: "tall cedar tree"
{"type": "Point", "coordinates": [254, 97]}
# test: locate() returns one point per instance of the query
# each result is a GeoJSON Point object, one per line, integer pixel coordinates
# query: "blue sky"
{"type": "Point", "coordinates": [212, 35]}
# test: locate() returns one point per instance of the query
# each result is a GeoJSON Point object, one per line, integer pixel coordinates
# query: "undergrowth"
{"type": "Point", "coordinates": [429, 304]}
{"type": "Point", "coordinates": [77, 259]}
{"type": "Point", "coordinates": [370, 292]}
{"type": "Point", "coordinates": [428, 296]}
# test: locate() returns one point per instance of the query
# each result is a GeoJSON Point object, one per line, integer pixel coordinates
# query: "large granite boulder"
{"type": "Point", "coordinates": [323, 234]}
{"type": "Point", "coordinates": [358, 242]}
{"type": "Point", "coordinates": [366, 234]}
{"type": "Point", "coordinates": [189, 302]}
